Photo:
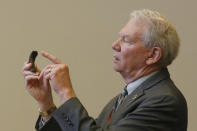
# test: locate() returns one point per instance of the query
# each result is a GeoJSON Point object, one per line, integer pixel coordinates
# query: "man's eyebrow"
{"type": "Point", "coordinates": [123, 34]}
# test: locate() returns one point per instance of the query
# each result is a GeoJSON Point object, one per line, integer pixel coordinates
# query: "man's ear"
{"type": "Point", "coordinates": [154, 55]}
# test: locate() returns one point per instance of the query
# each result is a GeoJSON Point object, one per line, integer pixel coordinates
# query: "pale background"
{"type": "Point", "coordinates": [81, 32]}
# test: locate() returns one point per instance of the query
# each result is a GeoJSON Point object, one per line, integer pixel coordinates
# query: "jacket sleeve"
{"type": "Point", "coordinates": [155, 114]}
{"type": "Point", "coordinates": [50, 125]}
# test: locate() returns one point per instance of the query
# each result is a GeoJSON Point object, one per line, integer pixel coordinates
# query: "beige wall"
{"type": "Point", "coordinates": [81, 33]}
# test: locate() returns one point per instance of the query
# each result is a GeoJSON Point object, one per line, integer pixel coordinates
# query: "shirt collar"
{"type": "Point", "coordinates": [133, 85]}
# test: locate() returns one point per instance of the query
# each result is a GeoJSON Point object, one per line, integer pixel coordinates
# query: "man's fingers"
{"type": "Point", "coordinates": [50, 57]}
{"type": "Point", "coordinates": [48, 76]}
{"type": "Point", "coordinates": [26, 73]}
{"type": "Point", "coordinates": [46, 79]}
{"type": "Point", "coordinates": [44, 71]}
{"type": "Point", "coordinates": [30, 77]}
{"type": "Point", "coordinates": [26, 66]}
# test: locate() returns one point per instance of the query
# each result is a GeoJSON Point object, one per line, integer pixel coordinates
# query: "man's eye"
{"type": "Point", "coordinates": [127, 41]}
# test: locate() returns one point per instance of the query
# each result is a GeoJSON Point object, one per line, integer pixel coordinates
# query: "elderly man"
{"type": "Point", "coordinates": [150, 101]}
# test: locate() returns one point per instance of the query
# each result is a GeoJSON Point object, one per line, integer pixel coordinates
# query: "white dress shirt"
{"type": "Point", "coordinates": [133, 85]}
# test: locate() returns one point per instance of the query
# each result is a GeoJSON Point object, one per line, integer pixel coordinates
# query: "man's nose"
{"type": "Point", "coordinates": [116, 45]}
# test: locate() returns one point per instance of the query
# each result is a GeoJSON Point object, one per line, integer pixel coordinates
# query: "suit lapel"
{"type": "Point", "coordinates": [139, 92]}
{"type": "Point", "coordinates": [161, 75]}
{"type": "Point", "coordinates": [136, 94]}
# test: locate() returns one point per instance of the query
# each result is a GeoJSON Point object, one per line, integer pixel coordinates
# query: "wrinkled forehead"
{"type": "Point", "coordinates": [133, 29]}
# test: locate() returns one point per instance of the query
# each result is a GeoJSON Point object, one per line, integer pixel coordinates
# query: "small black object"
{"type": "Point", "coordinates": [32, 59]}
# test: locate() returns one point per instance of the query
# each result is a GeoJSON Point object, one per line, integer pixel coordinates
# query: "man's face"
{"type": "Point", "coordinates": [129, 51]}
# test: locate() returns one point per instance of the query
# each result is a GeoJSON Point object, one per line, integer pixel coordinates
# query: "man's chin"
{"type": "Point", "coordinates": [116, 68]}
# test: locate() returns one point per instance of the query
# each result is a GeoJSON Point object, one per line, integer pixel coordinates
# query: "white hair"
{"type": "Point", "coordinates": [159, 33]}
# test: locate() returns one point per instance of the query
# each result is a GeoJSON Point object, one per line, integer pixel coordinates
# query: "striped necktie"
{"type": "Point", "coordinates": [121, 98]}
{"type": "Point", "coordinates": [118, 102]}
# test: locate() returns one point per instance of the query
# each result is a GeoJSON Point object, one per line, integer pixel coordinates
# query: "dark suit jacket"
{"type": "Point", "coordinates": [156, 105]}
